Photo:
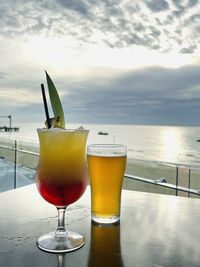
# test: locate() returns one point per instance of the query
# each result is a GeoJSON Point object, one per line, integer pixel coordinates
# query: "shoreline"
{"type": "Point", "coordinates": [143, 168]}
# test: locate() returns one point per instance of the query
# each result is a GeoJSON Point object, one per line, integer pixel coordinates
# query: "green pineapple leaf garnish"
{"type": "Point", "coordinates": [55, 103]}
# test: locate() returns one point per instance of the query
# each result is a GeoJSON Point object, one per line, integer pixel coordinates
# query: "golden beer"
{"type": "Point", "coordinates": [106, 171]}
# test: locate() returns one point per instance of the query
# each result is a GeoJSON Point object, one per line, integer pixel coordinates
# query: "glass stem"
{"type": "Point", "coordinates": [61, 260]}
{"type": "Point", "coordinates": [61, 230]}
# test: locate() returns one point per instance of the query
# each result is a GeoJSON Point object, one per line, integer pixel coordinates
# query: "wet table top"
{"type": "Point", "coordinates": [155, 230]}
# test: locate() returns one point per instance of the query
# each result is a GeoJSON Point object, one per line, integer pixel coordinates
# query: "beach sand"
{"type": "Point", "coordinates": [157, 170]}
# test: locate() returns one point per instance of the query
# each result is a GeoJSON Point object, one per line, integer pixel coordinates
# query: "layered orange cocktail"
{"type": "Point", "coordinates": [61, 174]}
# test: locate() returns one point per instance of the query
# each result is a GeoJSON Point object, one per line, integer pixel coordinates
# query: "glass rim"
{"type": "Point", "coordinates": [61, 130]}
{"type": "Point", "coordinates": [109, 145]}
{"type": "Point", "coordinates": [107, 149]}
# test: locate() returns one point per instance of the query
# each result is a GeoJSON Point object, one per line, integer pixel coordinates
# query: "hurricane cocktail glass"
{"type": "Point", "coordinates": [61, 180]}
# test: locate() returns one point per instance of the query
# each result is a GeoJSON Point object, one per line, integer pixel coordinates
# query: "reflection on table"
{"type": "Point", "coordinates": [105, 247]}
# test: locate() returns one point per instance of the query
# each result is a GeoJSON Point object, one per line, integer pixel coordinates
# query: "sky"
{"type": "Point", "coordinates": [112, 61]}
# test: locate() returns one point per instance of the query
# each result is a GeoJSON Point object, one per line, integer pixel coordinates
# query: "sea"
{"type": "Point", "coordinates": [169, 144]}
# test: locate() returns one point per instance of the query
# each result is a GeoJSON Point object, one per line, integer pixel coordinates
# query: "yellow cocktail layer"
{"type": "Point", "coordinates": [62, 155]}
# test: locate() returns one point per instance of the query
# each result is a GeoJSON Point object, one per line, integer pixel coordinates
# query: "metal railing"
{"type": "Point", "coordinates": [18, 158]}
{"type": "Point", "coordinates": [161, 182]}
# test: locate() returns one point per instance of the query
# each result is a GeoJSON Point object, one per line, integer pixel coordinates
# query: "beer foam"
{"type": "Point", "coordinates": [107, 150]}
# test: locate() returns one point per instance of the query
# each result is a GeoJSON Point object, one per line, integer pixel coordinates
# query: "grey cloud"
{"type": "Point", "coordinates": [177, 3]}
{"type": "Point", "coordinates": [76, 5]}
{"type": "Point", "coordinates": [178, 13]}
{"type": "Point", "coordinates": [182, 8]}
{"type": "Point", "coordinates": [192, 3]}
{"type": "Point", "coordinates": [154, 31]}
{"type": "Point", "coordinates": [188, 50]}
{"type": "Point", "coordinates": [193, 19]}
{"type": "Point", "coordinates": [152, 95]}
{"type": "Point", "coordinates": [157, 5]}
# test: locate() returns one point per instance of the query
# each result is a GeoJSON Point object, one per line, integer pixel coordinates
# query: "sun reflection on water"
{"type": "Point", "coordinates": [171, 144]}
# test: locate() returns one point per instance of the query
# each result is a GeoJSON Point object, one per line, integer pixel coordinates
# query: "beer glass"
{"type": "Point", "coordinates": [61, 180]}
{"type": "Point", "coordinates": [106, 167]}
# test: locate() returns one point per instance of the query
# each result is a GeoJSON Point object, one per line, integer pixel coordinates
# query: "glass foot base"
{"type": "Point", "coordinates": [60, 244]}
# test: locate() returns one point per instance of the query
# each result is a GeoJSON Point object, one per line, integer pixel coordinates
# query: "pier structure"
{"type": "Point", "coordinates": [8, 128]}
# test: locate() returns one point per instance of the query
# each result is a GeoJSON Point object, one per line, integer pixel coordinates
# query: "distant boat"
{"type": "Point", "coordinates": [102, 133]}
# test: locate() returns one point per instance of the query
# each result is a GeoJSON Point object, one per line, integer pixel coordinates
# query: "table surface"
{"type": "Point", "coordinates": [155, 230]}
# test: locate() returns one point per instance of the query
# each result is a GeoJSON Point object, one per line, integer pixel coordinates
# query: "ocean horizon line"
{"type": "Point", "coordinates": [149, 142]}
{"type": "Point", "coordinates": [113, 123]}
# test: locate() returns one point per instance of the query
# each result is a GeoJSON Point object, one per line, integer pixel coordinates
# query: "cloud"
{"type": "Point", "coordinates": [192, 3]}
{"type": "Point", "coordinates": [157, 5]}
{"type": "Point", "coordinates": [153, 95]}
{"type": "Point", "coordinates": [148, 23]}
{"type": "Point", "coordinates": [145, 95]}
{"type": "Point", "coordinates": [76, 5]}
{"type": "Point", "coordinates": [150, 95]}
